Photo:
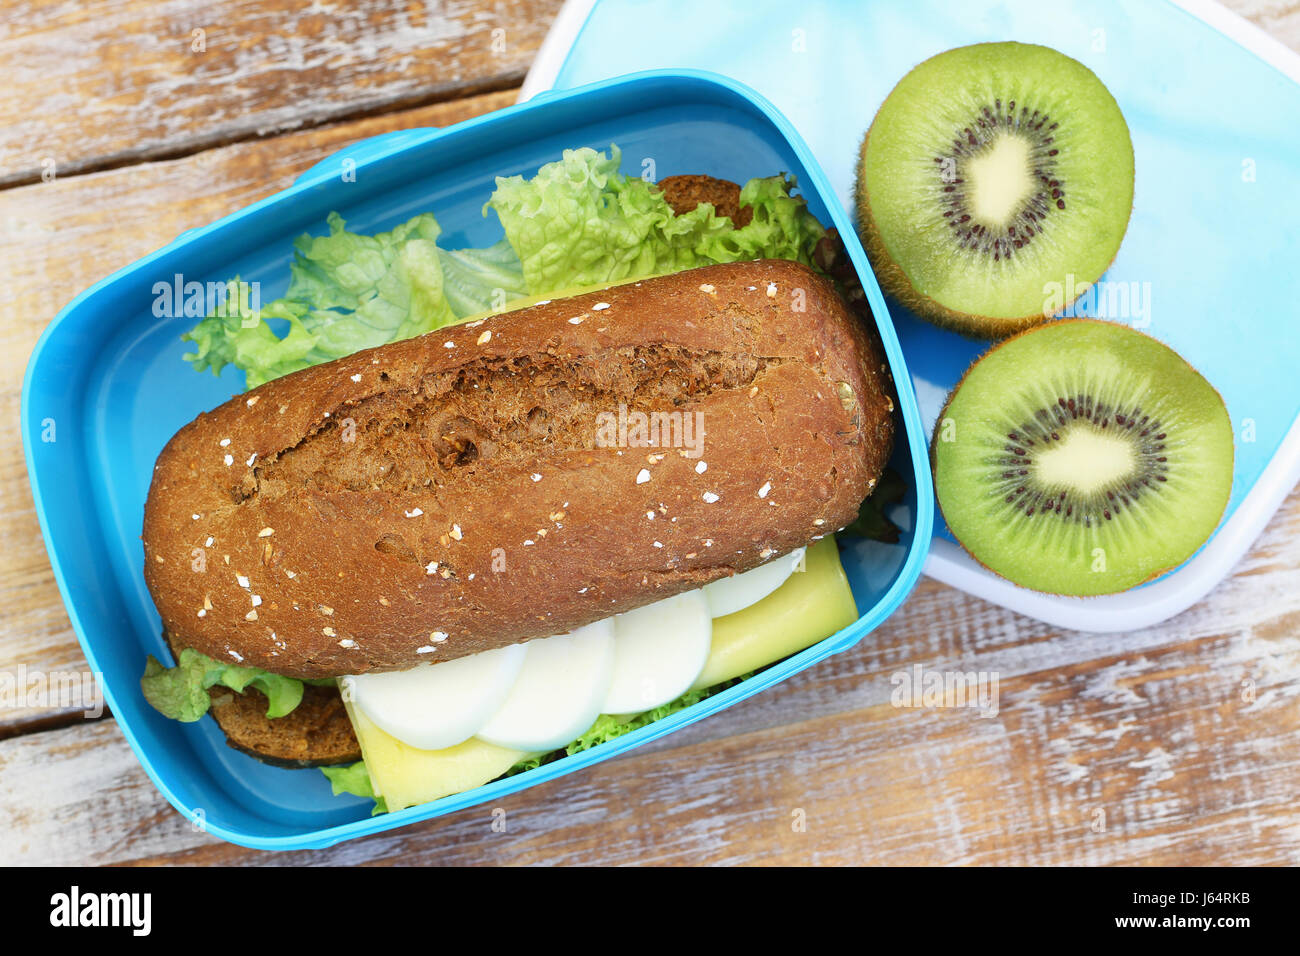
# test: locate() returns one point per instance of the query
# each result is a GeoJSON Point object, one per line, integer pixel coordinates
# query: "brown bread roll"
{"type": "Point", "coordinates": [481, 485]}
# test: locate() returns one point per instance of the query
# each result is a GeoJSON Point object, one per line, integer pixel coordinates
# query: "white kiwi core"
{"type": "Point", "coordinates": [1000, 180]}
{"type": "Point", "coordinates": [1087, 460]}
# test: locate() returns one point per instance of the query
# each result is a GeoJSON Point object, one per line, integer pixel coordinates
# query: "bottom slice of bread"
{"type": "Point", "coordinates": [316, 733]}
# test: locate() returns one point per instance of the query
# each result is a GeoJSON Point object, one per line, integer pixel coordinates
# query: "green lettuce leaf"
{"type": "Point", "coordinates": [181, 692]}
{"type": "Point", "coordinates": [240, 335]}
{"type": "Point", "coordinates": [872, 521]}
{"type": "Point", "coordinates": [579, 221]}
{"type": "Point", "coordinates": [781, 227]}
{"type": "Point", "coordinates": [347, 292]}
{"type": "Point", "coordinates": [354, 779]}
{"type": "Point", "coordinates": [608, 727]}
{"type": "Point", "coordinates": [481, 280]}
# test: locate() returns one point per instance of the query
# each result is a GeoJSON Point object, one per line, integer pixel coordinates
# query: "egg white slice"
{"type": "Point", "coordinates": [659, 650]}
{"type": "Point", "coordinates": [558, 693]}
{"type": "Point", "coordinates": [433, 706]}
{"type": "Point", "coordinates": [729, 595]}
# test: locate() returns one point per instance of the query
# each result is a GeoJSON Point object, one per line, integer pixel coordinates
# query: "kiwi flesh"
{"type": "Point", "coordinates": [1082, 457]}
{"type": "Point", "coordinates": [991, 173]}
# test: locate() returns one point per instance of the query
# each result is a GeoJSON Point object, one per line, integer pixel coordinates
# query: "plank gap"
{"type": "Point", "coordinates": [506, 82]}
{"type": "Point", "coordinates": [44, 723]}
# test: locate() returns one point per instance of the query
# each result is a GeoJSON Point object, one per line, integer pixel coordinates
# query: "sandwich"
{"type": "Point", "coordinates": [435, 544]}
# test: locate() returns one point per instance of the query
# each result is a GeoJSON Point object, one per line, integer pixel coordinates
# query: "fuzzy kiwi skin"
{"type": "Point", "coordinates": [894, 281]}
{"type": "Point", "coordinates": [934, 463]}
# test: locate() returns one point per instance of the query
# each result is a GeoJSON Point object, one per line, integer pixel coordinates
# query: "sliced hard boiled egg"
{"type": "Point", "coordinates": [433, 706]}
{"type": "Point", "coordinates": [659, 650]}
{"type": "Point", "coordinates": [729, 595]}
{"type": "Point", "coordinates": [558, 693]}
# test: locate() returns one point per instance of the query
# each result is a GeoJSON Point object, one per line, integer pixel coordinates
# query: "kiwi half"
{"type": "Point", "coordinates": [1082, 457]}
{"type": "Point", "coordinates": [989, 173]}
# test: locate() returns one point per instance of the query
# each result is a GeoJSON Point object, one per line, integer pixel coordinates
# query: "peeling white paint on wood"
{"type": "Point", "coordinates": [112, 82]}
{"type": "Point", "coordinates": [78, 796]}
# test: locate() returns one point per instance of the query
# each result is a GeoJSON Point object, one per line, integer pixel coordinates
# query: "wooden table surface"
{"type": "Point", "coordinates": [121, 126]}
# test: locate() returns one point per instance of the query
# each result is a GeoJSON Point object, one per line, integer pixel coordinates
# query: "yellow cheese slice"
{"type": "Point", "coordinates": [812, 604]}
{"type": "Point", "coordinates": [404, 775]}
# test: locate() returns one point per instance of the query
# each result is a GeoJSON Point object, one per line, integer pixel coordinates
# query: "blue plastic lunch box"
{"type": "Point", "coordinates": [107, 383]}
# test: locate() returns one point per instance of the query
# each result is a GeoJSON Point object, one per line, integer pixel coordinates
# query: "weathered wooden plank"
{"type": "Point", "coordinates": [1279, 18]}
{"type": "Point", "coordinates": [55, 814]}
{"type": "Point", "coordinates": [89, 85]}
{"type": "Point", "coordinates": [62, 236]}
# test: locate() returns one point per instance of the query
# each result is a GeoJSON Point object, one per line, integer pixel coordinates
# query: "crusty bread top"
{"type": "Point", "coordinates": [447, 494]}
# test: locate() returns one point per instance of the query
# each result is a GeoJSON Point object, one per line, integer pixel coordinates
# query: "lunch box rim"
{"type": "Point", "coordinates": [383, 146]}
